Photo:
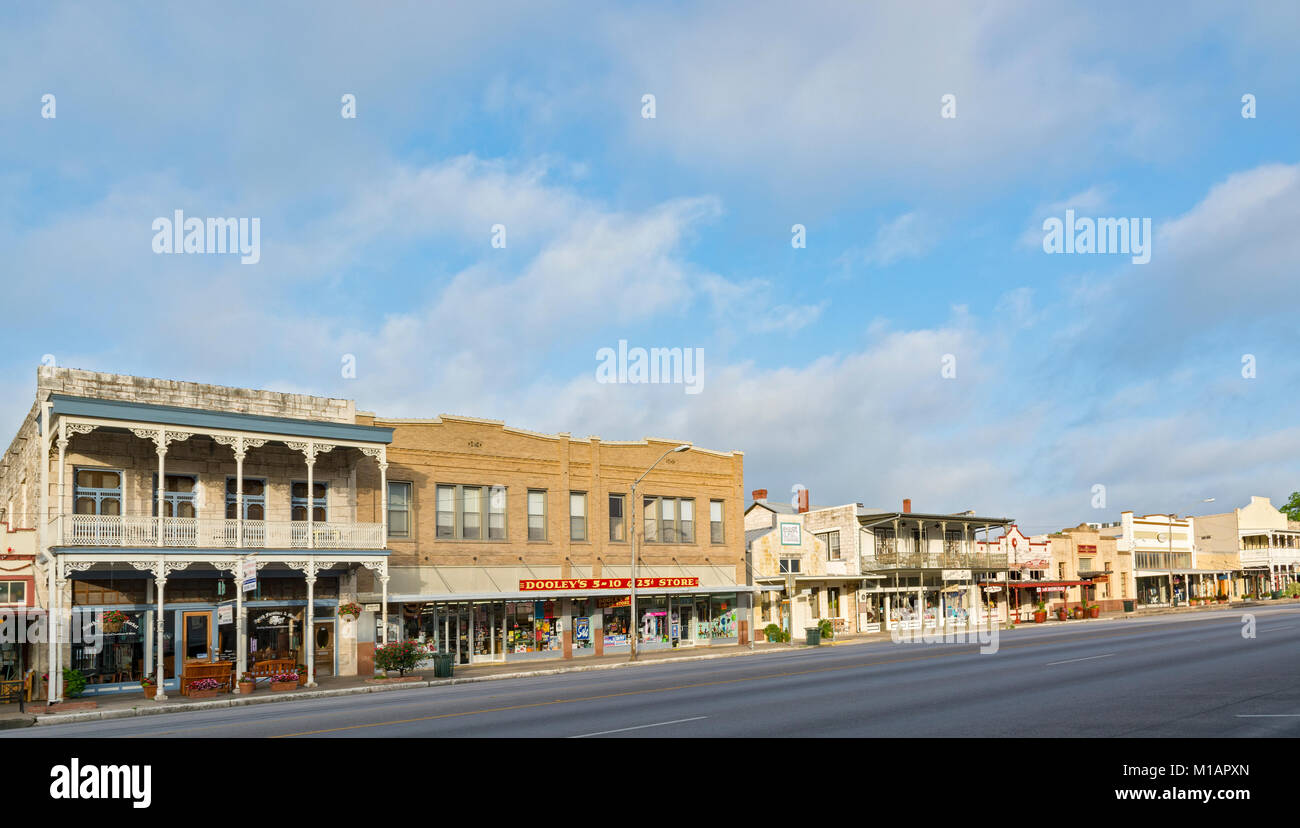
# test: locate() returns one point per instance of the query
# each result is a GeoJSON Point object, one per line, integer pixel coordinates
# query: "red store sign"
{"type": "Point", "coordinates": [553, 584]}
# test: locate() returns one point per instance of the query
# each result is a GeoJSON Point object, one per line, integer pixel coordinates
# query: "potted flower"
{"type": "Point", "coordinates": [113, 621]}
{"type": "Point", "coordinates": [1094, 610]}
{"type": "Point", "coordinates": [204, 688]}
{"type": "Point", "coordinates": [350, 611]}
{"type": "Point", "coordinates": [149, 687]}
{"type": "Point", "coordinates": [1078, 611]}
{"type": "Point", "coordinates": [1040, 613]}
{"type": "Point", "coordinates": [1061, 614]}
{"type": "Point", "coordinates": [247, 684]}
{"type": "Point", "coordinates": [302, 674]}
{"type": "Point", "coordinates": [280, 682]}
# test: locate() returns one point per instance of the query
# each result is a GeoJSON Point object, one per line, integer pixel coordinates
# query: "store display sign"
{"type": "Point", "coordinates": [553, 584]}
{"type": "Point", "coordinates": [582, 629]}
{"type": "Point", "coordinates": [791, 535]}
{"type": "Point", "coordinates": [615, 640]}
{"type": "Point", "coordinates": [614, 601]}
{"type": "Point", "coordinates": [371, 608]}
{"type": "Point", "coordinates": [249, 573]}
{"type": "Point", "coordinates": [225, 614]}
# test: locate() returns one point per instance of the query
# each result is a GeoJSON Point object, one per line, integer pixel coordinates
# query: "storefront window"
{"type": "Point", "coordinates": [120, 657]}
{"type": "Point", "coordinates": [545, 627]}
{"type": "Point", "coordinates": [519, 628]}
{"type": "Point", "coordinates": [723, 616]}
{"type": "Point", "coordinates": [275, 633]}
{"type": "Point", "coordinates": [654, 619]}
{"type": "Point", "coordinates": [581, 612]}
{"type": "Point", "coordinates": [617, 615]}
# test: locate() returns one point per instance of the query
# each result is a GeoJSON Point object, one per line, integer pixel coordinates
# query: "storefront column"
{"type": "Point", "coordinates": [162, 488]}
{"type": "Point", "coordinates": [65, 627]}
{"type": "Point", "coordinates": [492, 631]}
{"type": "Point", "coordinates": [241, 643]}
{"type": "Point", "coordinates": [383, 580]}
{"type": "Point", "coordinates": [309, 633]}
{"type": "Point", "coordinates": [159, 584]}
{"type": "Point", "coordinates": [566, 634]}
{"type": "Point", "coordinates": [63, 450]}
{"type": "Point", "coordinates": [51, 630]}
{"type": "Point", "coordinates": [239, 492]}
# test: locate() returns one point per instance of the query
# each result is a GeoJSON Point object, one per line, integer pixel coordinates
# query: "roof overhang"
{"type": "Point", "coordinates": [129, 412]}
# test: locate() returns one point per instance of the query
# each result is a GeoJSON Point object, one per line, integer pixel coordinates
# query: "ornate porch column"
{"type": "Point", "coordinates": [159, 583]}
{"type": "Point", "coordinates": [383, 579]}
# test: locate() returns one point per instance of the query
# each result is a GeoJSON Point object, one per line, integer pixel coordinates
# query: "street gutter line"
{"type": "Point", "coordinates": [638, 727]}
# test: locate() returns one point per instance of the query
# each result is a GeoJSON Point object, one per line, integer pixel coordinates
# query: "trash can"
{"type": "Point", "coordinates": [814, 636]}
{"type": "Point", "coordinates": [1277, 595]}
{"type": "Point", "coordinates": [1129, 605]}
{"type": "Point", "coordinates": [442, 665]}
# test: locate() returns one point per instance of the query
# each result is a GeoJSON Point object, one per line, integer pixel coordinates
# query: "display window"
{"type": "Point", "coordinates": [581, 613]}
{"type": "Point", "coordinates": [275, 633]}
{"type": "Point", "coordinates": [519, 628]}
{"type": "Point", "coordinates": [617, 621]}
{"type": "Point", "coordinates": [722, 621]}
{"type": "Point", "coordinates": [546, 627]}
{"type": "Point", "coordinates": [653, 627]}
{"type": "Point", "coordinates": [119, 658]}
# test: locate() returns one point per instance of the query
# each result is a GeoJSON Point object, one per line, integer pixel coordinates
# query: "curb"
{"type": "Point", "coordinates": [102, 715]}
{"type": "Point", "coordinates": [15, 722]}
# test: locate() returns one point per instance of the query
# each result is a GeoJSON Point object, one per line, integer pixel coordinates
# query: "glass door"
{"type": "Point", "coordinates": [323, 650]}
{"type": "Point", "coordinates": [196, 630]}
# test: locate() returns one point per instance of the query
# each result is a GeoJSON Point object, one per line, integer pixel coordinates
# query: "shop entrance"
{"type": "Point", "coordinates": [323, 649]}
{"type": "Point", "coordinates": [197, 631]}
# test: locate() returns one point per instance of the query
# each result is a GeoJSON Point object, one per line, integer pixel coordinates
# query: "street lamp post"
{"type": "Point", "coordinates": [634, 627]}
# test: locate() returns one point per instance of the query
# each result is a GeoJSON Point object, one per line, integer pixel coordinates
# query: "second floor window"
{"type": "Point", "coordinates": [715, 521]}
{"type": "Point", "coordinates": [399, 510]}
{"type": "Point", "coordinates": [617, 526]}
{"type": "Point", "coordinates": [254, 499]}
{"type": "Point", "coordinates": [832, 541]}
{"type": "Point", "coordinates": [577, 516]}
{"type": "Point", "coordinates": [789, 566]}
{"type": "Point", "coordinates": [299, 501]}
{"type": "Point", "coordinates": [669, 520]}
{"type": "Point", "coordinates": [97, 492]}
{"type": "Point", "coordinates": [471, 512]}
{"type": "Point", "coordinates": [178, 498]}
{"type": "Point", "coordinates": [536, 514]}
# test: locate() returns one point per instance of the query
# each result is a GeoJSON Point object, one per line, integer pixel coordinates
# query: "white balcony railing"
{"type": "Point", "coordinates": [126, 531]}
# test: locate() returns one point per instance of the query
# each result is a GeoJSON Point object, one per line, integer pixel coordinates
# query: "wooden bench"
{"type": "Point", "coordinates": [222, 671]}
{"type": "Point", "coordinates": [272, 667]}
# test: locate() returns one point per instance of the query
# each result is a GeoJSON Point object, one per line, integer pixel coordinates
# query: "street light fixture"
{"type": "Point", "coordinates": [634, 631]}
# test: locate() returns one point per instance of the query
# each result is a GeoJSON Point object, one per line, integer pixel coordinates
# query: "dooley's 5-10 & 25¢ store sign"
{"type": "Point", "coordinates": [549, 584]}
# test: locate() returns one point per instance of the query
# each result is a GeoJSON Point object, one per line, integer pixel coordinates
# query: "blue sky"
{"type": "Point", "coordinates": [823, 363]}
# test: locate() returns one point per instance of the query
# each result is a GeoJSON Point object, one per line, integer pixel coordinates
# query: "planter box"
{"type": "Point", "coordinates": [396, 680]}
{"type": "Point", "coordinates": [283, 686]}
{"type": "Point", "coordinates": [204, 694]}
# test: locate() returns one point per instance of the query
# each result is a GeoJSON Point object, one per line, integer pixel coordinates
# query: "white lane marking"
{"type": "Point", "coordinates": [1270, 629]}
{"type": "Point", "coordinates": [1268, 715]}
{"type": "Point", "coordinates": [1072, 660]}
{"type": "Point", "coordinates": [638, 727]}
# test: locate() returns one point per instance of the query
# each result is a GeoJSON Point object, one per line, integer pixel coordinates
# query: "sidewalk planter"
{"type": "Point", "coordinates": [282, 682]}
{"type": "Point", "coordinates": [1040, 617]}
{"type": "Point", "coordinates": [393, 679]}
{"type": "Point", "coordinates": [247, 687]}
{"type": "Point", "coordinates": [1061, 614]}
{"type": "Point", "coordinates": [150, 689]}
{"type": "Point", "coordinates": [302, 674]}
{"type": "Point", "coordinates": [204, 688]}
{"type": "Point", "coordinates": [1094, 612]}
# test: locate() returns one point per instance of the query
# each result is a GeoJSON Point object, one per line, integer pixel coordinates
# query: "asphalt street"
{"type": "Point", "coordinates": [1186, 675]}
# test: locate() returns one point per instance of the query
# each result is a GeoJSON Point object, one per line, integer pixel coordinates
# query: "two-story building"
{"type": "Point", "coordinates": [510, 544]}
{"type": "Point", "coordinates": [1169, 565]}
{"type": "Point", "coordinates": [188, 523]}
{"type": "Point", "coordinates": [1264, 542]}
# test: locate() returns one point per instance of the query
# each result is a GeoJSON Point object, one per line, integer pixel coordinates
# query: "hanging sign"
{"type": "Point", "coordinates": [992, 589]}
{"type": "Point", "coordinates": [249, 574]}
{"type": "Point", "coordinates": [225, 614]}
{"type": "Point", "coordinates": [956, 575]}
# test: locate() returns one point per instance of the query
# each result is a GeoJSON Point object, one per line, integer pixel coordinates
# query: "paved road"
{"type": "Point", "coordinates": [1186, 675]}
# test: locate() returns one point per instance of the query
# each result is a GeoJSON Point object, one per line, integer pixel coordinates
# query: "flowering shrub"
{"type": "Point", "coordinates": [205, 684]}
{"type": "Point", "coordinates": [284, 678]}
{"type": "Point", "coordinates": [400, 655]}
{"type": "Point", "coordinates": [116, 616]}
{"type": "Point", "coordinates": [351, 609]}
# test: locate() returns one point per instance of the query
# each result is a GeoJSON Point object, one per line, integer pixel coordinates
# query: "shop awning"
{"type": "Point", "coordinates": [1032, 584]}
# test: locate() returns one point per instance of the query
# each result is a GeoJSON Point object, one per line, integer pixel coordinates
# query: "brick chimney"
{"type": "Point", "coordinates": [803, 501]}
{"type": "Point", "coordinates": [760, 494]}
{"type": "Point", "coordinates": [907, 505]}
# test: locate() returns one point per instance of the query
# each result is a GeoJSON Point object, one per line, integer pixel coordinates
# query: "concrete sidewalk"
{"type": "Point", "coordinates": [129, 704]}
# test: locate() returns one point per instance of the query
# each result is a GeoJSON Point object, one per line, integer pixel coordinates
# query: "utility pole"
{"type": "Point", "coordinates": [634, 627]}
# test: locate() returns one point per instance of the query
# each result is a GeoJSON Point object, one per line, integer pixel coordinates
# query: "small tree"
{"type": "Point", "coordinates": [400, 656]}
{"type": "Point", "coordinates": [1292, 507]}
